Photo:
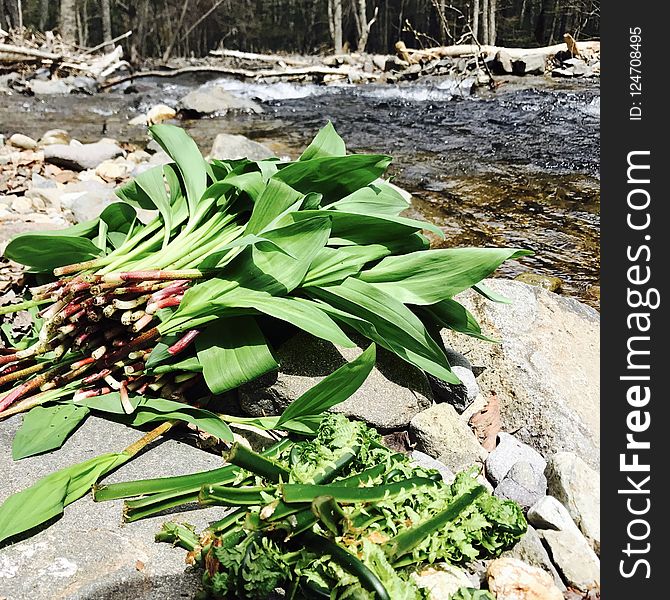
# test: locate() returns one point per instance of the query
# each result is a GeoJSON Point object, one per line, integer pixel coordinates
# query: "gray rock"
{"type": "Point", "coordinates": [461, 395]}
{"type": "Point", "coordinates": [523, 483]}
{"type": "Point", "coordinates": [55, 136]}
{"type": "Point", "coordinates": [502, 63]}
{"type": "Point", "coordinates": [379, 61]}
{"type": "Point", "coordinates": [79, 157]}
{"type": "Point", "coordinates": [440, 433]}
{"type": "Point", "coordinates": [89, 553]}
{"type": "Point", "coordinates": [210, 99]}
{"type": "Point", "coordinates": [442, 580]}
{"type": "Point", "coordinates": [530, 550]}
{"type": "Point", "coordinates": [566, 73]}
{"type": "Point", "coordinates": [549, 513]}
{"type": "Point", "coordinates": [507, 453]}
{"type": "Point", "coordinates": [530, 64]}
{"type": "Point", "coordinates": [228, 146]}
{"type": "Point", "coordinates": [546, 371]}
{"type": "Point", "coordinates": [575, 485]}
{"type": "Point", "coordinates": [50, 87]}
{"type": "Point", "coordinates": [428, 462]}
{"type": "Point", "coordinates": [393, 393]}
{"type": "Point", "coordinates": [574, 558]}
{"type": "Point", "coordinates": [86, 199]}
{"type": "Point", "coordinates": [578, 66]}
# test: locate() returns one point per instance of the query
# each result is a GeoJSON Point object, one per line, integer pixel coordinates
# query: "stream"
{"type": "Point", "coordinates": [518, 166]}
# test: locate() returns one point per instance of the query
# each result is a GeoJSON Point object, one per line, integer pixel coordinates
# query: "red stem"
{"type": "Point", "coordinates": [183, 342]}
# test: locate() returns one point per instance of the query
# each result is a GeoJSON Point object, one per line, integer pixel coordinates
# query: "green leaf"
{"type": "Point", "coordinates": [334, 176]}
{"type": "Point", "coordinates": [429, 276]}
{"type": "Point", "coordinates": [489, 294]}
{"type": "Point", "coordinates": [379, 198]}
{"type": "Point", "coordinates": [300, 312]}
{"type": "Point", "coordinates": [184, 151]}
{"type": "Point", "coordinates": [153, 183]}
{"type": "Point", "coordinates": [45, 429]}
{"type": "Point", "coordinates": [451, 314]}
{"type": "Point", "coordinates": [47, 250]}
{"type": "Point", "coordinates": [326, 143]}
{"type": "Point", "coordinates": [275, 199]}
{"type": "Point", "coordinates": [333, 265]}
{"type": "Point", "coordinates": [385, 320]}
{"type": "Point", "coordinates": [46, 499]}
{"type": "Point", "coordinates": [232, 352]}
{"type": "Point", "coordinates": [332, 390]}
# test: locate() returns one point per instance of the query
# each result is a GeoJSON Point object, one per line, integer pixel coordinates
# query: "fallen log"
{"type": "Point", "coordinates": [23, 53]}
{"type": "Point", "coordinates": [414, 55]}
{"type": "Point", "coordinates": [271, 58]}
{"type": "Point", "coordinates": [242, 73]}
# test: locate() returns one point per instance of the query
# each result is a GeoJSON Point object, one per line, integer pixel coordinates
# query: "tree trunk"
{"type": "Point", "coordinates": [335, 23]}
{"type": "Point", "coordinates": [361, 14]}
{"type": "Point", "coordinates": [44, 15]}
{"type": "Point", "coordinates": [106, 24]}
{"type": "Point", "coordinates": [475, 20]}
{"type": "Point", "coordinates": [485, 22]}
{"type": "Point", "coordinates": [492, 22]}
{"type": "Point", "coordinates": [14, 18]}
{"type": "Point", "coordinates": [68, 20]}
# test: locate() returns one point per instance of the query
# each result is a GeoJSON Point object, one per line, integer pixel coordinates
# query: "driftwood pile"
{"type": "Point", "coordinates": [42, 63]}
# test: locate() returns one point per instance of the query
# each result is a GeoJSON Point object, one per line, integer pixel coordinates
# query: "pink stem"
{"type": "Point", "coordinates": [183, 342]}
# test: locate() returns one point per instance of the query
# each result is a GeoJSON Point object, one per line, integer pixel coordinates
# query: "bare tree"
{"type": "Point", "coordinates": [105, 6]}
{"type": "Point", "coordinates": [67, 22]}
{"type": "Point", "coordinates": [335, 23]}
{"type": "Point", "coordinates": [492, 22]}
{"type": "Point", "coordinates": [43, 15]}
{"type": "Point", "coordinates": [475, 19]}
{"type": "Point", "coordinates": [485, 22]}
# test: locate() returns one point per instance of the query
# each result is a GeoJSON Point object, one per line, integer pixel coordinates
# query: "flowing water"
{"type": "Point", "coordinates": [514, 167]}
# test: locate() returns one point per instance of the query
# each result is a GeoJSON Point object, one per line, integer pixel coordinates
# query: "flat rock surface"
{"type": "Point", "coordinates": [546, 371]}
{"type": "Point", "coordinates": [89, 553]}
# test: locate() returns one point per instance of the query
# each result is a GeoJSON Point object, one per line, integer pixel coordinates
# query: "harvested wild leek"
{"type": "Point", "coordinates": [235, 247]}
{"type": "Point", "coordinates": [340, 516]}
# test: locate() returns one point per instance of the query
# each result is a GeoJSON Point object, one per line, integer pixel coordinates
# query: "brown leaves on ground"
{"type": "Point", "coordinates": [487, 424]}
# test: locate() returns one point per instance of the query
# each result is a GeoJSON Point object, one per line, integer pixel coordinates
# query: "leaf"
{"type": "Point", "coordinates": [378, 198]}
{"type": "Point", "coordinates": [153, 183]}
{"type": "Point", "coordinates": [184, 151]}
{"type": "Point", "coordinates": [46, 499]}
{"type": "Point", "coordinates": [149, 410]}
{"type": "Point", "coordinates": [489, 294]}
{"type": "Point", "coordinates": [232, 352]}
{"type": "Point", "coordinates": [45, 429]}
{"type": "Point", "coordinates": [335, 388]}
{"type": "Point", "coordinates": [334, 265]}
{"type": "Point", "coordinates": [326, 143]}
{"type": "Point", "coordinates": [334, 176]}
{"type": "Point", "coordinates": [46, 251]}
{"type": "Point", "coordinates": [275, 199]}
{"type": "Point", "coordinates": [429, 276]}
{"type": "Point", "coordinates": [385, 320]}
{"type": "Point", "coordinates": [300, 312]}
{"type": "Point", "coordinates": [451, 314]}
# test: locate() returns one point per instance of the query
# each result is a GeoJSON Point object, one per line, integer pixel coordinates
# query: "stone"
{"type": "Point", "coordinates": [86, 199]}
{"type": "Point", "coordinates": [440, 433]}
{"type": "Point", "coordinates": [529, 64]}
{"type": "Point", "coordinates": [388, 399]}
{"type": "Point", "coordinates": [55, 136]}
{"type": "Point", "coordinates": [523, 483]}
{"type": "Point", "coordinates": [79, 157]}
{"type": "Point", "coordinates": [22, 205]}
{"type": "Point", "coordinates": [546, 371]}
{"type": "Point", "coordinates": [530, 550]}
{"type": "Point", "coordinates": [18, 140]}
{"type": "Point", "coordinates": [507, 453]}
{"type": "Point", "coordinates": [113, 170]}
{"type": "Point", "coordinates": [549, 513]}
{"type": "Point", "coordinates": [428, 462]}
{"type": "Point", "coordinates": [502, 63]}
{"type": "Point", "coordinates": [227, 146]}
{"type": "Point", "coordinates": [159, 113]}
{"type": "Point", "coordinates": [212, 99]}
{"type": "Point", "coordinates": [565, 73]}
{"type": "Point", "coordinates": [553, 284]}
{"type": "Point", "coordinates": [577, 487]}
{"type": "Point", "coordinates": [461, 395]}
{"type": "Point", "coordinates": [512, 579]}
{"type": "Point", "coordinates": [379, 61]}
{"type": "Point", "coordinates": [50, 87]}
{"type": "Point", "coordinates": [578, 67]}
{"type": "Point", "coordinates": [441, 580]}
{"type": "Point", "coordinates": [89, 552]}
{"type": "Point", "coordinates": [138, 156]}
{"type": "Point", "coordinates": [574, 558]}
